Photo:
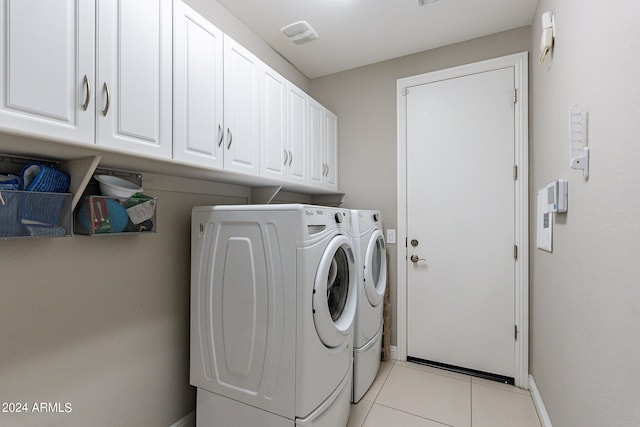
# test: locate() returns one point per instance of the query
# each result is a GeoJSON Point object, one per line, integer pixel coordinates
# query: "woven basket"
{"type": "Point", "coordinates": [41, 208]}
{"type": "Point", "coordinates": [9, 224]}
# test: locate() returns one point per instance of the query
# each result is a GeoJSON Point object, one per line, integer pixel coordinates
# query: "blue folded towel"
{"type": "Point", "coordinates": [44, 231]}
{"type": "Point", "coordinates": [10, 182]}
{"type": "Point", "coordinates": [37, 207]}
{"type": "Point", "coordinates": [43, 178]}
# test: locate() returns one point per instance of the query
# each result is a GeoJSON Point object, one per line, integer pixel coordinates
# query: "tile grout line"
{"type": "Point", "coordinates": [364, 420]}
{"type": "Point", "coordinates": [412, 414]}
{"type": "Point", "coordinates": [384, 382]}
{"type": "Point", "coordinates": [434, 371]}
{"type": "Point", "coordinates": [498, 386]}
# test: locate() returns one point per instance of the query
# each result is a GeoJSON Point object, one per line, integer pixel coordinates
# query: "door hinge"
{"type": "Point", "coordinates": [515, 95]}
{"type": "Point", "coordinates": [515, 172]}
{"type": "Point", "coordinates": [515, 332]}
{"type": "Point", "coordinates": [515, 251]}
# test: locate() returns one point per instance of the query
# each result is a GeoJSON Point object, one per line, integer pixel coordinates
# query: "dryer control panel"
{"type": "Point", "coordinates": [320, 218]}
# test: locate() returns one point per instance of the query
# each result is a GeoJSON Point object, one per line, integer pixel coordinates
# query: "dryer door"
{"type": "Point", "coordinates": [375, 269]}
{"type": "Point", "coordinates": [334, 301]}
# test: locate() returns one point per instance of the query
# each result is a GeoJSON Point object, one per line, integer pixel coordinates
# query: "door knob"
{"type": "Point", "coordinates": [414, 258]}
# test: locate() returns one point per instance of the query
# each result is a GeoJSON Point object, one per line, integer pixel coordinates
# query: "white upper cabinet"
{"type": "Point", "coordinates": [274, 149]}
{"type": "Point", "coordinates": [331, 150]}
{"type": "Point", "coordinates": [315, 134]}
{"type": "Point", "coordinates": [241, 109]}
{"type": "Point", "coordinates": [154, 78]}
{"type": "Point", "coordinates": [134, 76]}
{"type": "Point", "coordinates": [198, 120]}
{"type": "Point", "coordinates": [47, 68]}
{"type": "Point", "coordinates": [51, 88]}
{"type": "Point", "coordinates": [298, 146]}
{"type": "Point", "coordinates": [323, 144]}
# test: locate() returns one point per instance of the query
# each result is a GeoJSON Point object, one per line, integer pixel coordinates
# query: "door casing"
{"type": "Point", "coordinates": [520, 63]}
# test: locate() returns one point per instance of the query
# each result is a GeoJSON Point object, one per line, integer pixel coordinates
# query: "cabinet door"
{"type": "Point", "coordinates": [331, 150]}
{"type": "Point", "coordinates": [134, 76]}
{"type": "Point", "coordinates": [297, 134]}
{"type": "Point", "coordinates": [315, 122]}
{"type": "Point", "coordinates": [241, 109]}
{"type": "Point", "coordinates": [197, 89]}
{"type": "Point", "coordinates": [274, 153]}
{"type": "Point", "coordinates": [47, 51]}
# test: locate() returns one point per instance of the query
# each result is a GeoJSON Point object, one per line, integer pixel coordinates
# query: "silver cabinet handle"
{"type": "Point", "coordinates": [221, 133]}
{"type": "Point", "coordinates": [290, 157]}
{"type": "Point", "coordinates": [286, 157]}
{"type": "Point", "coordinates": [414, 259]}
{"type": "Point", "coordinates": [230, 138]}
{"type": "Point", "coordinates": [327, 174]}
{"type": "Point", "coordinates": [87, 98]}
{"type": "Point", "coordinates": [108, 102]}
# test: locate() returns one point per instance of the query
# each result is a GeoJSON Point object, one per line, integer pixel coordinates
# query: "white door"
{"type": "Point", "coordinates": [460, 218]}
{"type": "Point", "coordinates": [47, 85]}
{"type": "Point", "coordinates": [135, 76]}
{"type": "Point", "coordinates": [274, 154]}
{"type": "Point", "coordinates": [197, 89]}
{"type": "Point", "coordinates": [241, 109]}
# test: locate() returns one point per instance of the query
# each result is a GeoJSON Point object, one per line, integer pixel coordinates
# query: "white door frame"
{"type": "Point", "coordinates": [520, 63]}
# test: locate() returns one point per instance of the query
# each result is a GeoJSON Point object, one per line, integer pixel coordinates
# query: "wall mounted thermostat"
{"type": "Point", "coordinates": [552, 198]}
{"type": "Point", "coordinates": [556, 196]}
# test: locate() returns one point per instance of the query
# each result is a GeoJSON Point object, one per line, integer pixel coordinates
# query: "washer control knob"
{"type": "Point", "coordinates": [338, 217]}
{"type": "Point", "coordinates": [375, 217]}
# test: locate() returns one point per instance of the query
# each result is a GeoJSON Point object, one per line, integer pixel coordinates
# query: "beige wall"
{"type": "Point", "coordinates": [585, 296]}
{"type": "Point", "coordinates": [102, 322]}
{"type": "Point", "coordinates": [365, 101]}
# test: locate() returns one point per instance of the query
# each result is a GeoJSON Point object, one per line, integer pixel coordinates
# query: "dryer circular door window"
{"type": "Point", "coordinates": [334, 292]}
{"type": "Point", "coordinates": [375, 269]}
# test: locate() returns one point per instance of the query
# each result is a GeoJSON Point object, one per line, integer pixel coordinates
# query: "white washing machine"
{"type": "Point", "coordinates": [273, 300]}
{"type": "Point", "coordinates": [371, 264]}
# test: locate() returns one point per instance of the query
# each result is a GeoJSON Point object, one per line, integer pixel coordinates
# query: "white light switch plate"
{"type": "Point", "coordinates": [391, 236]}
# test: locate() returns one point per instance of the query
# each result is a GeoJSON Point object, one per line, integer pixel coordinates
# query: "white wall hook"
{"type": "Point", "coordinates": [578, 150]}
{"type": "Point", "coordinates": [582, 162]}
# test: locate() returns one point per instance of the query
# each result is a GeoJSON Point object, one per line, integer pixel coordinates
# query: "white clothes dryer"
{"type": "Point", "coordinates": [371, 264]}
{"type": "Point", "coordinates": [273, 300]}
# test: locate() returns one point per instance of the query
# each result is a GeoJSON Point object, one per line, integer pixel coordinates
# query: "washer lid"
{"type": "Point", "coordinates": [334, 300]}
{"type": "Point", "coordinates": [375, 269]}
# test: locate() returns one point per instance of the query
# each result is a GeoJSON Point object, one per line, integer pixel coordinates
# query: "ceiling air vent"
{"type": "Point", "coordinates": [300, 32]}
{"type": "Point", "coordinates": [423, 3]}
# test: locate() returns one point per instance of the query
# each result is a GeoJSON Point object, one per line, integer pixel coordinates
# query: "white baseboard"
{"type": "Point", "coordinates": [393, 352]}
{"type": "Point", "coordinates": [539, 404]}
{"type": "Point", "coordinates": [188, 420]}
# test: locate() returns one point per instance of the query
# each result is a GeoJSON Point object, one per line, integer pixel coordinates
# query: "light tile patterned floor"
{"type": "Point", "coordinates": [410, 395]}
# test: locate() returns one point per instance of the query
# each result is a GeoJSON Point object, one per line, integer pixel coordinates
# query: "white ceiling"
{"type": "Point", "coordinates": [354, 33]}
